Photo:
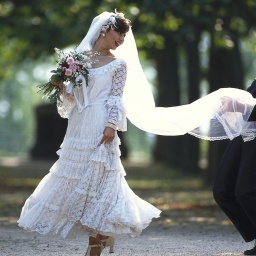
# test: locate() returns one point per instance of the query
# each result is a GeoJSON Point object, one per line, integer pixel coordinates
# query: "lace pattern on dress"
{"type": "Point", "coordinates": [65, 104]}
{"type": "Point", "coordinates": [108, 68]}
{"type": "Point", "coordinates": [85, 190]}
{"type": "Point", "coordinates": [116, 112]}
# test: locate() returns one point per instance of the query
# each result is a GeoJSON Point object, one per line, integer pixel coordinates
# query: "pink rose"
{"type": "Point", "coordinates": [70, 60]}
{"type": "Point", "coordinates": [68, 72]}
{"type": "Point", "coordinates": [72, 67]}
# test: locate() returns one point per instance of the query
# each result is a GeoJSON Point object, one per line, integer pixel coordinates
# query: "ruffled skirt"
{"type": "Point", "coordinates": [86, 192]}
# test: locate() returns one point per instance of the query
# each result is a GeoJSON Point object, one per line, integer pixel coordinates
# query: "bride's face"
{"type": "Point", "coordinates": [114, 39]}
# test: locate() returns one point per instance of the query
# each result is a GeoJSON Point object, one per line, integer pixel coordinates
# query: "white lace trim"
{"type": "Point", "coordinates": [65, 106]}
{"type": "Point", "coordinates": [106, 69]}
{"type": "Point", "coordinates": [81, 144]}
{"type": "Point", "coordinates": [98, 202]}
{"type": "Point", "coordinates": [116, 112]}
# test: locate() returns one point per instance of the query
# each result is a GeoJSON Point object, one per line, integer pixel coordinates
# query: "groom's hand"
{"type": "Point", "coordinates": [229, 105]}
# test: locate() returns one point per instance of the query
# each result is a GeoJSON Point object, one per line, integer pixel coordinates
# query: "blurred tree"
{"type": "Point", "coordinates": [30, 31]}
{"type": "Point", "coordinates": [16, 127]}
{"type": "Point", "coordinates": [173, 25]}
{"type": "Point", "coordinates": [167, 31]}
{"type": "Point", "coordinates": [193, 15]}
{"type": "Point", "coordinates": [233, 21]}
{"type": "Point", "coordinates": [174, 28]}
{"type": "Point", "coordinates": [168, 95]}
{"type": "Point", "coordinates": [33, 29]}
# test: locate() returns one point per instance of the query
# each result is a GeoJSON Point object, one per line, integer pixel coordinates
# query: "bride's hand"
{"type": "Point", "coordinates": [59, 84]}
{"type": "Point", "coordinates": [108, 135]}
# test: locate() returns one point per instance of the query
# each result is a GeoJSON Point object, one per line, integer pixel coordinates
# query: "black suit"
{"type": "Point", "coordinates": [235, 183]}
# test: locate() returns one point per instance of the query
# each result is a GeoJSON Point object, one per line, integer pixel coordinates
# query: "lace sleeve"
{"type": "Point", "coordinates": [116, 112]}
{"type": "Point", "coordinates": [65, 104]}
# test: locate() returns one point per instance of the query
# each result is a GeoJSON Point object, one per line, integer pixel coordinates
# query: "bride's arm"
{"type": "Point", "coordinates": [66, 102]}
{"type": "Point", "coordinates": [64, 93]}
{"type": "Point", "coordinates": [116, 112]}
{"type": "Point", "coordinates": [116, 115]}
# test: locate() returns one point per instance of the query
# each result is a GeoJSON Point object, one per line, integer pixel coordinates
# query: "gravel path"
{"type": "Point", "coordinates": [199, 238]}
{"type": "Point", "coordinates": [194, 231]}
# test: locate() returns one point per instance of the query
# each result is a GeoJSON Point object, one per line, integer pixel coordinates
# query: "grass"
{"type": "Point", "coordinates": [165, 187]}
{"type": "Point", "coordinates": [161, 177]}
{"type": "Point", "coordinates": [169, 188]}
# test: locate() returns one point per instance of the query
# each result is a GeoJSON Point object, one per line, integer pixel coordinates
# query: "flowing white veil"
{"type": "Point", "coordinates": [171, 121]}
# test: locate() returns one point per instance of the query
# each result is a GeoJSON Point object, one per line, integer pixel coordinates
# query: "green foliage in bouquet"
{"type": "Point", "coordinates": [69, 67]}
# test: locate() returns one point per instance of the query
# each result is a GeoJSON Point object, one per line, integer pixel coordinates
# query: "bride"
{"type": "Point", "coordinates": [85, 190]}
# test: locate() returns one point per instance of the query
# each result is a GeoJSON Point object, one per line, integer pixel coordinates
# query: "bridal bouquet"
{"type": "Point", "coordinates": [69, 66]}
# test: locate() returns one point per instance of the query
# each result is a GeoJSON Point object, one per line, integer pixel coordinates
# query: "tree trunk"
{"type": "Point", "coordinates": [225, 70]}
{"type": "Point", "coordinates": [167, 149]}
{"type": "Point", "coordinates": [190, 144]}
{"type": "Point", "coordinates": [50, 131]}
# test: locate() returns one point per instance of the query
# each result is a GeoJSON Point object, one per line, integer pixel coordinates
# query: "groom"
{"type": "Point", "coordinates": [235, 184]}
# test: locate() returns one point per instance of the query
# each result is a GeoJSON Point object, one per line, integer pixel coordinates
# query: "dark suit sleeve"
{"type": "Point", "coordinates": [252, 116]}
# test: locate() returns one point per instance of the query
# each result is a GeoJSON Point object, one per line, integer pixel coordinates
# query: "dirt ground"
{"type": "Point", "coordinates": [194, 231]}
{"type": "Point", "coordinates": [184, 234]}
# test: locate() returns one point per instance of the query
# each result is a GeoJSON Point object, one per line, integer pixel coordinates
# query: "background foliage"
{"type": "Point", "coordinates": [194, 47]}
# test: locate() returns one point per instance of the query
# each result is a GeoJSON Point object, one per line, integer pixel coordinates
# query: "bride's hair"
{"type": "Point", "coordinates": [117, 22]}
{"type": "Point", "coordinates": [122, 24]}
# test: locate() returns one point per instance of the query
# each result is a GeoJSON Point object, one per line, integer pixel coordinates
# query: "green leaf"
{"type": "Point", "coordinates": [55, 78]}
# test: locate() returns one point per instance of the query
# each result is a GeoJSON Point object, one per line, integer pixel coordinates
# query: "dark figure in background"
{"type": "Point", "coordinates": [235, 184]}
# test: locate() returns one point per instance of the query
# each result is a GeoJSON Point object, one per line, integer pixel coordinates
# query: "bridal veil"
{"type": "Point", "coordinates": [205, 118]}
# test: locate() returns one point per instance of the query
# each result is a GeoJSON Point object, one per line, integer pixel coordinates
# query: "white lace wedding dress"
{"type": "Point", "coordinates": [85, 190]}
